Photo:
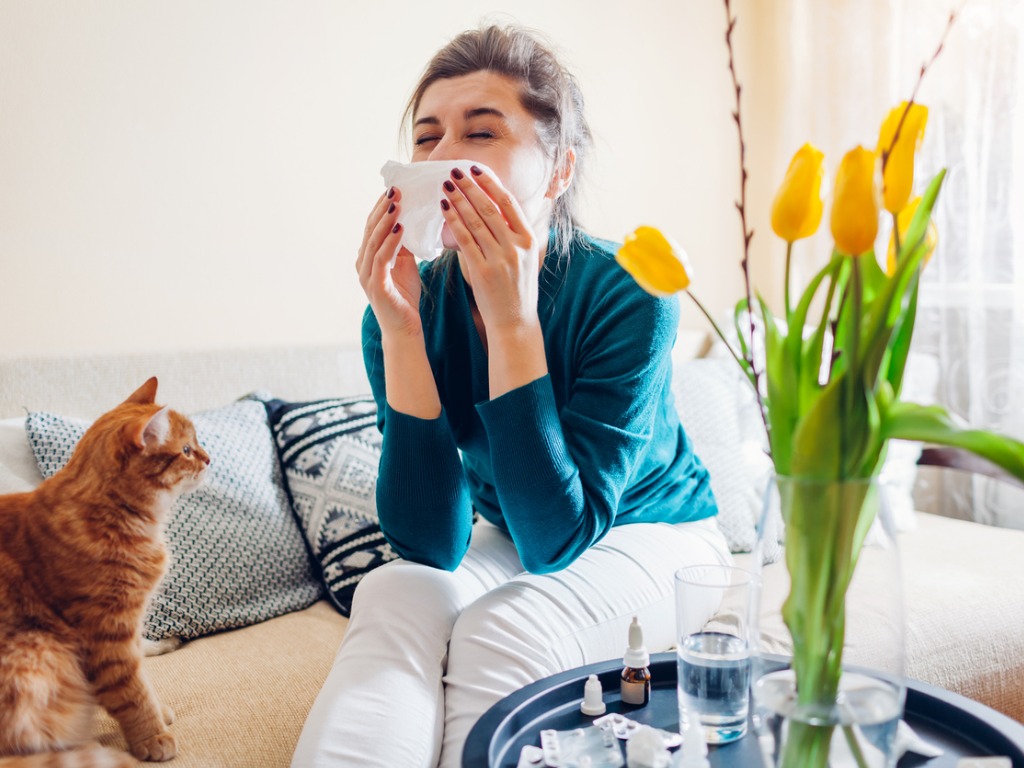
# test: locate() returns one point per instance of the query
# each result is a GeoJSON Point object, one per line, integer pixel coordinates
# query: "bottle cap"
{"type": "Point", "coordinates": [592, 704]}
{"type": "Point", "coordinates": [636, 654]}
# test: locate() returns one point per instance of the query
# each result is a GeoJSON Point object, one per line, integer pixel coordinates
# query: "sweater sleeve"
{"type": "Point", "coordinates": [423, 499]}
{"type": "Point", "coordinates": [560, 476]}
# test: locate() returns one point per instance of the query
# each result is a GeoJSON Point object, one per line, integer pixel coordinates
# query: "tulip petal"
{"type": "Point", "coordinates": [855, 203]}
{"type": "Point", "coordinates": [657, 264]}
{"type": "Point", "coordinates": [797, 208]}
{"type": "Point", "coordinates": [898, 181]}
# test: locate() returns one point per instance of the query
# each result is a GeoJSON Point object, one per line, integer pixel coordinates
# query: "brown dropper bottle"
{"type": "Point", "coordinates": [636, 675]}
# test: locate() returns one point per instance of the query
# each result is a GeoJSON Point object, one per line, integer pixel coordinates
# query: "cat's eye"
{"type": "Point", "coordinates": [187, 450]}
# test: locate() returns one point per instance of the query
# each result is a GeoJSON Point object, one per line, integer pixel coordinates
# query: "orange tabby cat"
{"type": "Point", "coordinates": [80, 557]}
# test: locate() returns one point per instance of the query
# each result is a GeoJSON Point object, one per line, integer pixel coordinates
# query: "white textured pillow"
{"type": "Point", "coordinates": [719, 413]}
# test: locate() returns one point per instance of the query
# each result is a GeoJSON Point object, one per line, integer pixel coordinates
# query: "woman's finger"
{"type": "Point", "coordinates": [378, 262]}
{"type": "Point", "coordinates": [479, 214]}
{"type": "Point", "coordinates": [494, 191]}
{"type": "Point", "coordinates": [455, 209]}
{"type": "Point", "coordinates": [381, 220]}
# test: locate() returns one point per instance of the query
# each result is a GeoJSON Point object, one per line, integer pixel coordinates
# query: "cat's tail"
{"type": "Point", "coordinates": [88, 756]}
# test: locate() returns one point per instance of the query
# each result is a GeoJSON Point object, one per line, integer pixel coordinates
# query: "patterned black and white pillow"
{"type": "Point", "coordinates": [237, 556]}
{"type": "Point", "coordinates": [330, 452]}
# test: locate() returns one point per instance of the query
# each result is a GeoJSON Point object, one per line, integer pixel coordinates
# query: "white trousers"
{"type": "Point", "coordinates": [427, 651]}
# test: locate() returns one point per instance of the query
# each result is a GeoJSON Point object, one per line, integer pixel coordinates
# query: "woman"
{"type": "Point", "coordinates": [525, 376]}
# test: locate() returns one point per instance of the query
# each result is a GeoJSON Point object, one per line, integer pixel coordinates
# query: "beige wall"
{"type": "Point", "coordinates": [197, 173]}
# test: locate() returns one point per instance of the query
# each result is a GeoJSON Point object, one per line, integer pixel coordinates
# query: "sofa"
{"type": "Point", "coordinates": [241, 686]}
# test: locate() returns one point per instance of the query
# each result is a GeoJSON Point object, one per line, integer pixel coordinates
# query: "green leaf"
{"type": "Point", "coordinates": [816, 445]}
{"type": "Point", "coordinates": [892, 305]}
{"type": "Point", "coordinates": [811, 360]}
{"type": "Point", "coordinates": [873, 276]}
{"type": "Point", "coordinates": [782, 390]}
{"type": "Point", "coordinates": [919, 223]}
{"type": "Point", "coordinates": [895, 361]}
{"type": "Point", "coordinates": [933, 424]}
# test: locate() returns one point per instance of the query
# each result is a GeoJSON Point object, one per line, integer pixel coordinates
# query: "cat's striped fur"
{"type": "Point", "coordinates": [80, 557]}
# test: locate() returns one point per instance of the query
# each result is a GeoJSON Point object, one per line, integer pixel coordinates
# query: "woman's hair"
{"type": "Point", "coordinates": [549, 93]}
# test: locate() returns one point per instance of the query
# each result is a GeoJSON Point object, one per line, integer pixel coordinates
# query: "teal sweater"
{"type": "Point", "coordinates": [557, 462]}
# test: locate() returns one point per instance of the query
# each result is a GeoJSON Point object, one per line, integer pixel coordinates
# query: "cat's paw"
{"type": "Point", "coordinates": [168, 714]}
{"type": "Point", "coordinates": [160, 647]}
{"type": "Point", "coordinates": [156, 748]}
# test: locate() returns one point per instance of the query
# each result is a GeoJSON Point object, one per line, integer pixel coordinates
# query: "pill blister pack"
{"type": "Point", "coordinates": [596, 746]}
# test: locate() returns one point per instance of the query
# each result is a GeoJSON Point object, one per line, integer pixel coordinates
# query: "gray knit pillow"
{"type": "Point", "coordinates": [237, 556]}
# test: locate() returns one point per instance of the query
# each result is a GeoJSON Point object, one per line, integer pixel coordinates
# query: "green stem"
{"type": "Point", "coordinates": [807, 746]}
{"type": "Point", "coordinates": [855, 750]}
{"type": "Point", "coordinates": [854, 384]}
{"type": "Point", "coordinates": [896, 235]}
{"type": "Point", "coordinates": [718, 331]}
{"type": "Point", "coordinates": [815, 611]}
{"type": "Point", "coordinates": [789, 257]}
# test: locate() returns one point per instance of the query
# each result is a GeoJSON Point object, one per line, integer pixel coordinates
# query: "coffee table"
{"type": "Point", "coordinates": [959, 726]}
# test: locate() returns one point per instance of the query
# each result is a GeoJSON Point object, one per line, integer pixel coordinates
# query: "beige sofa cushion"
{"type": "Point", "coordinates": [240, 697]}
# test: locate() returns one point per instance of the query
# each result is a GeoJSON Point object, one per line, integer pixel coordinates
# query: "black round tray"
{"type": "Point", "coordinates": [959, 726]}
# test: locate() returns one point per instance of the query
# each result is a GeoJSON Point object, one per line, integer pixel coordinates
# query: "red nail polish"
{"type": "Point", "coordinates": [391, 208]}
{"type": "Point", "coordinates": [475, 170]}
{"type": "Point", "coordinates": [391, 193]}
{"type": "Point", "coordinates": [396, 227]}
{"type": "Point", "coordinates": [444, 205]}
{"type": "Point", "coordinates": [449, 186]}
{"type": "Point", "coordinates": [456, 174]}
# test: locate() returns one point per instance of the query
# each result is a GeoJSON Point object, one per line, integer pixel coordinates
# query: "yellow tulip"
{"type": "Point", "coordinates": [796, 211]}
{"type": "Point", "coordinates": [903, 219]}
{"type": "Point", "coordinates": [855, 203]}
{"type": "Point", "coordinates": [898, 182]}
{"type": "Point", "coordinates": [658, 265]}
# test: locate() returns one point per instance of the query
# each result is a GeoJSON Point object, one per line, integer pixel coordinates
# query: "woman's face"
{"type": "Point", "coordinates": [480, 117]}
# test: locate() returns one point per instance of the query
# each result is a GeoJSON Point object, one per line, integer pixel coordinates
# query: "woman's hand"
{"type": "Point", "coordinates": [502, 260]}
{"type": "Point", "coordinates": [391, 281]}
{"type": "Point", "coordinates": [388, 273]}
{"type": "Point", "coordinates": [499, 250]}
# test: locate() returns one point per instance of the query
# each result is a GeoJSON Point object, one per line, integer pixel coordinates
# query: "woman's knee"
{"type": "Point", "coordinates": [504, 631]}
{"type": "Point", "coordinates": [406, 587]}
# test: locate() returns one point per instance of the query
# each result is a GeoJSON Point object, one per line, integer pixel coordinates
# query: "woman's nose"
{"type": "Point", "coordinates": [443, 150]}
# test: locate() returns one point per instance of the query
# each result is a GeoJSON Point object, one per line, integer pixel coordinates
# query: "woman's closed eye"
{"type": "Point", "coordinates": [483, 135]}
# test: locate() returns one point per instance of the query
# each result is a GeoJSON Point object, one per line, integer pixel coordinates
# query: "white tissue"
{"type": "Point", "coordinates": [420, 217]}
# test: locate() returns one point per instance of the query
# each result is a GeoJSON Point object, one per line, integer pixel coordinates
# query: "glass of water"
{"type": "Point", "coordinates": [713, 604]}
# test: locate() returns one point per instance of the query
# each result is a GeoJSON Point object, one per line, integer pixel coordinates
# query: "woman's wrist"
{"type": "Point", "coordinates": [515, 357]}
{"type": "Point", "coordinates": [409, 384]}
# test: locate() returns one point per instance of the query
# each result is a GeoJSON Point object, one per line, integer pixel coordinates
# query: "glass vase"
{"type": "Point", "coordinates": [827, 687]}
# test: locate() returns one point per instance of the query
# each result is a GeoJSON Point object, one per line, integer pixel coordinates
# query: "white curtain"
{"type": "Point", "coordinates": [847, 63]}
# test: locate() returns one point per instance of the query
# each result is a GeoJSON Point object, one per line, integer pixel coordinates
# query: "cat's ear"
{"type": "Point", "coordinates": [144, 395]}
{"type": "Point", "coordinates": [154, 430]}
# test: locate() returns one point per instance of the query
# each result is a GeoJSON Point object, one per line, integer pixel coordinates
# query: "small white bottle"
{"type": "Point", "coordinates": [636, 674]}
{"type": "Point", "coordinates": [593, 703]}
